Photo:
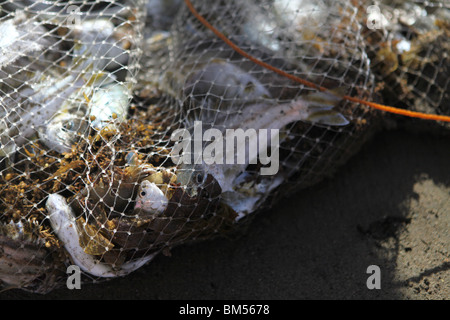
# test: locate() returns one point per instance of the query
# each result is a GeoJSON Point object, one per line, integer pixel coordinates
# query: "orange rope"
{"type": "Point", "coordinates": [374, 105]}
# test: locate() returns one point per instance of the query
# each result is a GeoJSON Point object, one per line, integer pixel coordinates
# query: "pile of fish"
{"type": "Point", "coordinates": [95, 98]}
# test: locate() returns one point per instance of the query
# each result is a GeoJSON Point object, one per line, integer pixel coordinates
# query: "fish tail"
{"type": "Point", "coordinates": [321, 106]}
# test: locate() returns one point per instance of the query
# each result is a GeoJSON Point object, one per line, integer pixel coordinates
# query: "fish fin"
{"type": "Point", "coordinates": [326, 99]}
{"type": "Point", "coordinates": [321, 105]}
{"type": "Point", "coordinates": [329, 117]}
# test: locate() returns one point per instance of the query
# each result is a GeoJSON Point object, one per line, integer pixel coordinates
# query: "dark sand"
{"type": "Point", "coordinates": [388, 206]}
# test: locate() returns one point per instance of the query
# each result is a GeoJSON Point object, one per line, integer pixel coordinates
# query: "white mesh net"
{"type": "Point", "coordinates": [98, 96]}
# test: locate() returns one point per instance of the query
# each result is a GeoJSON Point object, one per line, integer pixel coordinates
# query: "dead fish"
{"type": "Point", "coordinates": [245, 104]}
{"type": "Point", "coordinates": [150, 199]}
{"type": "Point", "coordinates": [220, 95]}
{"type": "Point", "coordinates": [107, 107]}
{"type": "Point", "coordinates": [58, 110]}
{"type": "Point", "coordinates": [64, 128]}
{"type": "Point", "coordinates": [138, 184]}
{"type": "Point", "coordinates": [63, 221]}
{"type": "Point", "coordinates": [24, 112]}
{"type": "Point", "coordinates": [316, 108]}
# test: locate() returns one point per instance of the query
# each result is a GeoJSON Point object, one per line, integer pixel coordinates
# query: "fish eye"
{"type": "Point", "coordinates": [199, 177]}
{"type": "Point", "coordinates": [143, 193]}
{"type": "Point", "coordinates": [68, 125]}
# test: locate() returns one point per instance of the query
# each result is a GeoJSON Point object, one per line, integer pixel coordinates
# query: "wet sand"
{"type": "Point", "coordinates": [388, 206]}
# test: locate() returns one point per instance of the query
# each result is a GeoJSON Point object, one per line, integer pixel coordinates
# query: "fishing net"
{"type": "Point", "coordinates": [128, 127]}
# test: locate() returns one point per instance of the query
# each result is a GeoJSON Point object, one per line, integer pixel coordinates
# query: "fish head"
{"type": "Point", "coordinates": [62, 132]}
{"type": "Point", "coordinates": [198, 181]}
{"type": "Point", "coordinates": [150, 199]}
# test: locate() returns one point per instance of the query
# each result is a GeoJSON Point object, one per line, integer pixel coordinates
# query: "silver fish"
{"type": "Point", "coordinates": [106, 107]}
{"type": "Point", "coordinates": [24, 112]}
{"type": "Point", "coordinates": [61, 133]}
{"type": "Point", "coordinates": [316, 108]}
{"type": "Point", "coordinates": [28, 110]}
{"type": "Point", "coordinates": [102, 98]}
{"type": "Point", "coordinates": [150, 199]}
{"type": "Point", "coordinates": [63, 221]}
{"type": "Point", "coordinates": [222, 96]}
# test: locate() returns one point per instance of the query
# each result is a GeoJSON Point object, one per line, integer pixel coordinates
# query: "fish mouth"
{"type": "Point", "coordinates": [138, 205]}
{"type": "Point", "coordinates": [153, 208]}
